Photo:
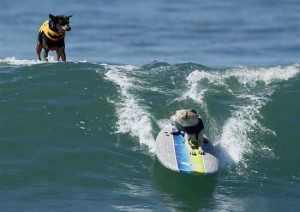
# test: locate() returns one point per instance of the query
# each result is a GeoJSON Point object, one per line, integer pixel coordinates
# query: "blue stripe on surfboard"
{"type": "Point", "coordinates": [182, 155]}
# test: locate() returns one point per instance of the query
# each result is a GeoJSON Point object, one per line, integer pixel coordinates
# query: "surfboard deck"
{"type": "Point", "coordinates": [173, 154]}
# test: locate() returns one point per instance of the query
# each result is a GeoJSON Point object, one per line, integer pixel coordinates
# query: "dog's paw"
{"type": "Point", "coordinates": [191, 151]}
{"type": "Point", "coordinates": [201, 152]}
{"type": "Point", "coordinates": [175, 132]}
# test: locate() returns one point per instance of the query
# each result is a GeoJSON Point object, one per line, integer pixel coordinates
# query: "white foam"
{"type": "Point", "coordinates": [251, 76]}
{"type": "Point", "coordinates": [246, 76]}
{"type": "Point", "coordinates": [17, 62]}
{"type": "Point", "coordinates": [14, 61]}
{"type": "Point", "coordinates": [133, 117]}
{"type": "Point", "coordinates": [235, 137]}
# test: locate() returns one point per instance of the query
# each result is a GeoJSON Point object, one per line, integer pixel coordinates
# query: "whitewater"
{"type": "Point", "coordinates": [247, 90]}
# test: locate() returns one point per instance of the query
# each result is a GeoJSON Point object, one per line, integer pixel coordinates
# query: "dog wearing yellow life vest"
{"type": "Point", "coordinates": [52, 36]}
{"type": "Point", "coordinates": [189, 122]}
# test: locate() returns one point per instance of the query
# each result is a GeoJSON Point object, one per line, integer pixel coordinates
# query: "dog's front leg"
{"type": "Point", "coordinates": [58, 55]}
{"type": "Point", "coordinates": [188, 138]}
{"type": "Point", "coordinates": [200, 141]}
{"type": "Point", "coordinates": [62, 54]}
{"type": "Point", "coordinates": [46, 51]}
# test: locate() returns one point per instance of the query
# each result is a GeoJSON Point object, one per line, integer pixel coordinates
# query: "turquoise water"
{"type": "Point", "coordinates": [80, 135]}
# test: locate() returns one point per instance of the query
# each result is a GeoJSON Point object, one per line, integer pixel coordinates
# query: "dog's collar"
{"type": "Point", "coordinates": [52, 35]}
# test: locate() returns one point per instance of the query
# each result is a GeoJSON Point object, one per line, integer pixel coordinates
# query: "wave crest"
{"type": "Point", "coordinates": [133, 117]}
{"type": "Point", "coordinates": [249, 90]}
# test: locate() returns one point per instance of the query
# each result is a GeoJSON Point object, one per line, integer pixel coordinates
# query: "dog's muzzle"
{"type": "Point", "coordinates": [66, 28]}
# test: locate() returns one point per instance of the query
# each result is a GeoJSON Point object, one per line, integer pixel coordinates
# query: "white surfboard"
{"type": "Point", "coordinates": [173, 154]}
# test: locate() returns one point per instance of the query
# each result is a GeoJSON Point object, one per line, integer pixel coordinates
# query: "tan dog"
{"type": "Point", "coordinates": [189, 122]}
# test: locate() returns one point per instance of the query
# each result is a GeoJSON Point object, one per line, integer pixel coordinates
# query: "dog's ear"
{"type": "Point", "coordinates": [68, 17]}
{"type": "Point", "coordinates": [52, 17]}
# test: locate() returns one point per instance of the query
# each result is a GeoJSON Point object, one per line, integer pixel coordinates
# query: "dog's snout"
{"type": "Point", "coordinates": [66, 28]}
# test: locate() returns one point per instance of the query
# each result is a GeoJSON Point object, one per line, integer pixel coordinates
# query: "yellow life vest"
{"type": "Point", "coordinates": [54, 36]}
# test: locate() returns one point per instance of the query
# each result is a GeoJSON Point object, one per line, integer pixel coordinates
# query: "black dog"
{"type": "Point", "coordinates": [52, 36]}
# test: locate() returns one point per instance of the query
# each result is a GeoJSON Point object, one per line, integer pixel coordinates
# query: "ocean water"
{"type": "Point", "coordinates": [213, 33]}
{"type": "Point", "coordinates": [80, 135]}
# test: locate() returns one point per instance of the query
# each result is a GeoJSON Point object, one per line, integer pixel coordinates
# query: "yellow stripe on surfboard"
{"type": "Point", "coordinates": [197, 159]}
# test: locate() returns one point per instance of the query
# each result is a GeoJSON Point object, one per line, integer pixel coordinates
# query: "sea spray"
{"type": "Point", "coordinates": [251, 88]}
{"type": "Point", "coordinates": [133, 117]}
